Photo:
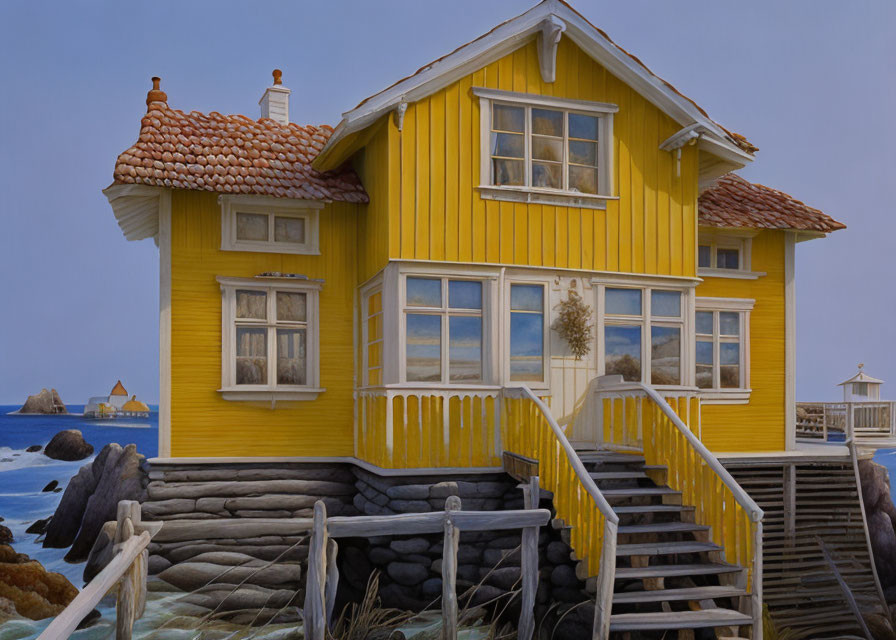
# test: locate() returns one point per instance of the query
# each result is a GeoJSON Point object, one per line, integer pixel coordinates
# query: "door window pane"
{"type": "Point", "coordinates": [623, 351]}
{"type": "Point", "coordinates": [623, 302]}
{"type": "Point", "coordinates": [729, 323]}
{"type": "Point", "coordinates": [704, 364]}
{"type": "Point", "coordinates": [292, 307]}
{"type": "Point", "coordinates": [581, 126]}
{"type": "Point", "coordinates": [526, 297]}
{"type": "Point", "coordinates": [507, 118]}
{"type": "Point", "coordinates": [704, 256]}
{"type": "Point", "coordinates": [665, 355]}
{"type": "Point", "coordinates": [251, 305]}
{"type": "Point", "coordinates": [728, 258]}
{"type": "Point", "coordinates": [424, 292]}
{"type": "Point", "coordinates": [291, 357]}
{"type": "Point", "coordinates": [465, 349]}
{"type": "Point", "coordinates": [704, 322]}
{"type": "Point", "coordinates": [290, 230]}
{"type": "Point", "coordinates": [424, 347]}
{"type": "Point", "coordinates": [547, 122]}
{"type": "Point", "coordinates": [252, 226]}
{"type": "Point", "coordinates": [729, 368]}
{"type": "Point", "coordinates": [251, 355]}
{"type": "Point", "coordinates": [464, 294]}
{"type": "Point", "coordinates": [665, 304]}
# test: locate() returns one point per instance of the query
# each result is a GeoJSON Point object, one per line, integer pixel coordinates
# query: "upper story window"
{"type": "Point", "coordinates": [725, 256]}
{"type": "Point", "coordinates": [443, 330]}
{"type": "Point", "coordinates": [542, 149]}
{"type": "Point", "coordinates": [643, 334]}
{"type": "Point", "coordinates": [270, 339]}
{"type": "Point", "coordinates": [269, 225]}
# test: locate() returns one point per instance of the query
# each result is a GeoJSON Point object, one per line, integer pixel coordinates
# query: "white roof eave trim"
{"type": "Point", "coordinates": [509, 36]}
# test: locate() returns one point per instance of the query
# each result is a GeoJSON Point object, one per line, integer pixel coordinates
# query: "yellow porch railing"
{"type": "Point", "coordinates": [423, 427]}
{"type": "Point", "coordinates": [636, 416]}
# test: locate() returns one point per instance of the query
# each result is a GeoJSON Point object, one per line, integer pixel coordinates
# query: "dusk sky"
{"type": "Point", "coordinates": [810, 82]}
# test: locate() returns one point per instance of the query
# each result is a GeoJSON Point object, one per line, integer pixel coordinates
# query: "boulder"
{"type": "Point", "coordinates": [51, 485]}
{"type": "Point", "coordinates": [5, 535]}
{"type": "Point", "coordinates": [91, 499]}
{"type": "Point", "coordinates": [47, 401]}
{"type": "Point", "coordinates": [38, 526]}
{"type": "Point", "coordinates": [407, 573]}
{"type": "Point", "coordinates": [880, 514]}
{"type": "Point", "coordinates": [68, 445]}
{"type": "Point", "coordinates": [34, 592]}
{"type": "Point", "coordinates": [34, 448]}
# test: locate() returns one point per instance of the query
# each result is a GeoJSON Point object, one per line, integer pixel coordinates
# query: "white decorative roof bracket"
{"type": "Point", "coordinates": [398, 114]}
{"type": "Point", "coordinates": [549, 34]}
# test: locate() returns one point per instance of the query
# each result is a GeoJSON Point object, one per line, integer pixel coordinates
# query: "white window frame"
{"type": "Point", "coordinates": [526, 193]}
{"type": "Point", "coordinates": [743, 307]}
{"type": "Point", "coordinates": [306, 210]}
{"type": "Point", "coordinates": [489, 338]}
{"type": "Point", "coordinates": [646, 321]}
{"type": "Point", "coordinates": [546, 331]}
{"type": "Point", "coordinates": [272, 391]}
{"type": "Point", "coordinates": [743, 242]}
{"type": "Point", "coordinates": [372, 288]}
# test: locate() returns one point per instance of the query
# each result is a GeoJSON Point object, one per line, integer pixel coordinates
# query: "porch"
{"type": "Point", "coordinates": [869, 424]}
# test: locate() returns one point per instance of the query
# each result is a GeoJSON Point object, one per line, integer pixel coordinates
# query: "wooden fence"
{"type": "Point", "coordinates": [127, 570]}
{"type": "Point", "coordinates": [322, 575]}
{"type": "Point", "coordinates": [644, 419]}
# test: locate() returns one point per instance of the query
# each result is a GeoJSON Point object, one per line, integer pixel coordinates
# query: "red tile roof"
{"type": "Point", "coordinates": [232, 154]}
{"type": "Point", "coordinates": [737, 203]}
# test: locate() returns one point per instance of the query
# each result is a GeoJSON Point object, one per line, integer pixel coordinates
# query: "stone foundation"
{"type": "Point", "coordinates": [409, 567]}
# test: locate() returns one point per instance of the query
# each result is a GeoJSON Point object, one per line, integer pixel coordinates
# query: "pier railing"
{"type": "Point", "coordinates": [127, 570]}
{"type": "Point", "coordinates": [641, 418]}
{"type": "Point", "coordinates": [844, 421]}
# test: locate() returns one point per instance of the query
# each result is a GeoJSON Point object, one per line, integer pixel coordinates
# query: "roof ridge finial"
{"type": "Point", "coordinates": [156, 94]}
{"type": "Point", "coordinates": [278, 76]}
{"type": "Point", "coordinates": [861, 366]}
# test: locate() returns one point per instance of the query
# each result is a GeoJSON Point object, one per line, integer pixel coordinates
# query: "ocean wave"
{"type": "Point", "coordinates": [12, 459]}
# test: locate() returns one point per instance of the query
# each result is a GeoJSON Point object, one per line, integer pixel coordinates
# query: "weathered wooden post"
{"type": "Point", "coordinates": [315, 585]}
{"type": "Point", "coordinates": [529, 565]}
{"type": "Point", "coordinates": [449, 571]}
{"type": "Point", "coordinates": [332, 580]}
{"type": "Point", "coordinates": [132, 586]}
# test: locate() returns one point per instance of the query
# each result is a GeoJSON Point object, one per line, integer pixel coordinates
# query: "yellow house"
{"type": "Point", "coordinates": [388, 294]}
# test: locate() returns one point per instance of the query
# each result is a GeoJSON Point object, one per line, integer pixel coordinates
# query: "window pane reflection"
{"type": "Point", "coordinates": [424, 348]}
{"type": "Point", "coordinates": [622, 345]}
{"type": "Point", "coordinates": [465, 349]}
{"type": "Point", "coordinates": [729, 369]}
{"type": "Point", "coordinates": [424, 292]}
{"type": "Point", "coordinates": [623, 302]}
{"type": "Point", "coordinates": [464, 294]}
{"type": "Point", "coordinates": [729, 323]}
{"type": "Point", "coordinates": [704, 364]}
{"type": "Point", "coordinates": [665, 304]}
{"type": "Point", "coordinates": [665, 355]}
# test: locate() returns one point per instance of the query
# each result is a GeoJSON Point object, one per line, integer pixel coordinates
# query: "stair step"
{"type": "Point", "coordinates": [662, 527]}
{"type": "Point", "coordinates": [669, 595]}
{"type": "Point", "coordinates": [637, 492]}
{"type": "Point", "coordinates": [651, 508]}
{"type": "Point", "coordinates": [665, 548]}
{"type": "Point", "coordinates": [617, 475]}
{"type": "Point", "coordinates": [674, 571]}
{"type": "Point", "coordinates": [661, 620]}
{"type": "Point", "coordinates": [612, 458]}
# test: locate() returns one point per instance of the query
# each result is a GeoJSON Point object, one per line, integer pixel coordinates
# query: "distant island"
{"type": "Point", "coordinates": [46, 402]}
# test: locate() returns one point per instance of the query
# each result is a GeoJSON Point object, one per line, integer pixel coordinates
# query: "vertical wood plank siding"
{"type": "Point", "coordinates": [202, 423]}
{"type": "Point", "coordinates": [759, 425]}
{"type": "Point", "coordinates": [437, 214]}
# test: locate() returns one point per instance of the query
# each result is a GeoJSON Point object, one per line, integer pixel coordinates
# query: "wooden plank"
{"type": "Point", "coordinates": [66, 622]}
{"type": "Point", "coordinates": [449, 570]}
{"type": "Point", "coordinates": [315, 607]}
{"type": "Point", "coordinates": [529, 565]}
{"type": "Point", "coordinates": [420, 523]}
{"type": "Point", "coordinates": [332, 580]}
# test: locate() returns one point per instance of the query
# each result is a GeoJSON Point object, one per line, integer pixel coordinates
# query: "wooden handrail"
{"type": "Point", "coordinates": [741, 496]}
{"type": "Point", "coordinates": [606, 573]}
{"type": "Point", "coordinates": [67, 622]}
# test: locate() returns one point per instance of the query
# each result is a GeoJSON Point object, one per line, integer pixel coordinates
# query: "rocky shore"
{"type": "Point", "coordinates": [880, 514]}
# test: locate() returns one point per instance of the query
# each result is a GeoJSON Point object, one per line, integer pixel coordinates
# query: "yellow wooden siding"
{"type": "Point", "coordinates": [759, 425]}
{"type": "Point", "coordinates": [202, 423]}
{"type": "Point", "coordinates": [436, 213]}
{"type": "Point", "coordinates": [372, 165]}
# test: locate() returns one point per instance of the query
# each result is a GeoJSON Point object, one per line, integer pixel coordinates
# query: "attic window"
{"type": "Point", "coordinates": [269, 225]}
{"type": "Point", "coordinates": [542, 149]}
{"type": "Point", "coordinates": [726, 255]}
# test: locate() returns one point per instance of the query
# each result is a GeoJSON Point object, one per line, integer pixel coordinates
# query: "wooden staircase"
{"type": "Point", "coordinates": [669, 575]}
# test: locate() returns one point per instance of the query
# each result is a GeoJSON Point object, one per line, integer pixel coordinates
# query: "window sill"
{"type": "Point", "coordinates": [299, 394]}
{"type": "Point", "coordinates": [265, 247]}
{"type": "Point", "coordinates": [544, 196]}
{"type": "Point", "coordinates": [725, 396]}
{"type": "Point", "coordinates": [736, 274]}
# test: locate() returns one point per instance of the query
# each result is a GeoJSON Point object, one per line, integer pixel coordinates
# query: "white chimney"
{"type": "Point", "coordinates": [275, 101]}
